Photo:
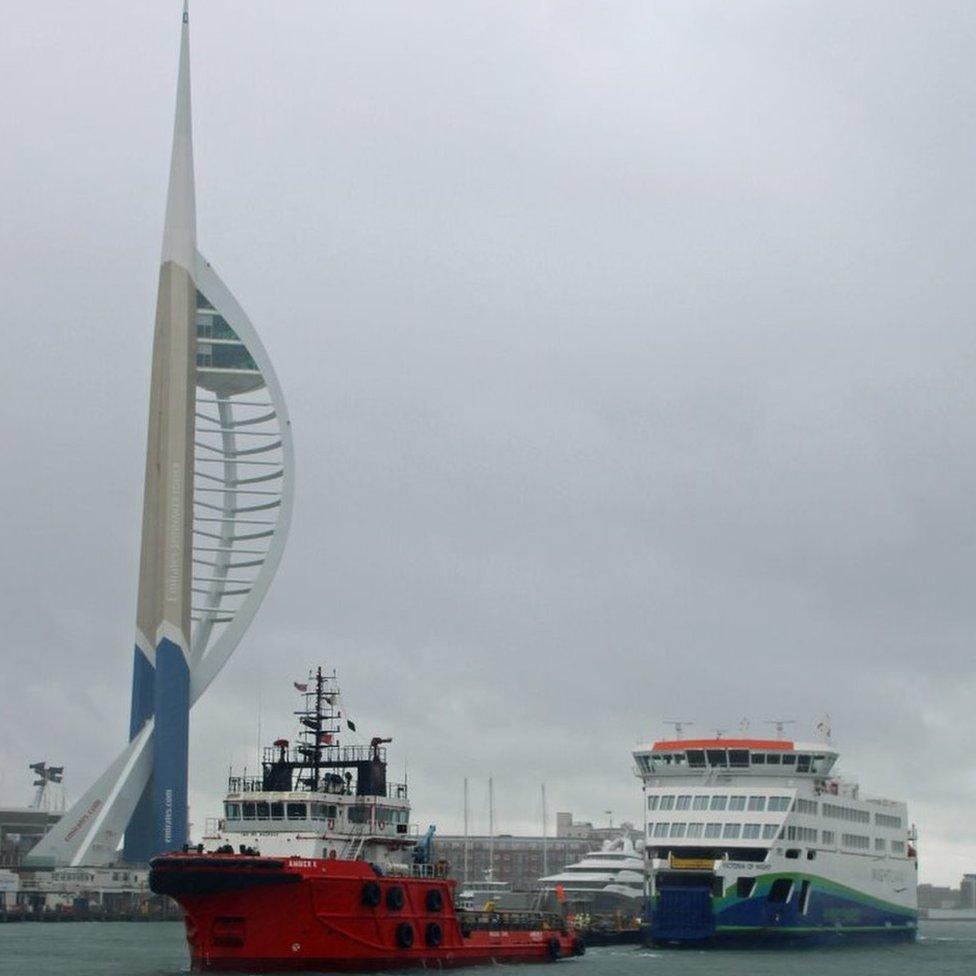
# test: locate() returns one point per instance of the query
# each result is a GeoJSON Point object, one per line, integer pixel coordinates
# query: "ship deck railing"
{"type": "Point", "coordinates": [524, 921]}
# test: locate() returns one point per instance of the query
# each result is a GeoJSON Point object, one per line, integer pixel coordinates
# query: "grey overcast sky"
{"type": "Point", "coordinates": [629, 349]}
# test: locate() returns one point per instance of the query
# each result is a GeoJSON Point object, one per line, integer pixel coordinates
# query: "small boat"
{"type": "Point", "coordinates": [316, 867]}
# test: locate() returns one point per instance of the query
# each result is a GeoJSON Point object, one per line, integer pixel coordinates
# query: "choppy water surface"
{"type": "Point", "coordinates": [158, 949]}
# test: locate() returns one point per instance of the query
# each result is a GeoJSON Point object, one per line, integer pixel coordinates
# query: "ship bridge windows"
{"type": "Point", "coordinates": [803, 764]}
{"type": "Point", "coordinates": [738, 758]}
{"type": "Point", "coordinates": [297, 811]}
{"type": "Point", "coordinates": [759, 759]}
{"type": "Point", "coordinates": [360, 814]}
{"type": "Point", "coordinates": [696, 758]}
{"type": "Point", "coordinates": [324, 811]}
{"type": "Point", "coordinates": [277, 811]}
{"type": "Point", "coordinates": [789, 759]}
{"type": "Point", "coordinates": [773, 759]}
{"type": "Point", "coordinates": [717, 757]}
{"type": "Point", "coordinates": [247, 811]}
{"type": "Point", "coordinates": [232, 811]}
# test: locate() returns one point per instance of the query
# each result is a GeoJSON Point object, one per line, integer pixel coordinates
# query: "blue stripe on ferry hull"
{"type": "Point", "coordinates": [830, 916]}
{"type": "Point", "coordinates": [170, 748]}
{"type": "Point", "coordinates": [139, 832]}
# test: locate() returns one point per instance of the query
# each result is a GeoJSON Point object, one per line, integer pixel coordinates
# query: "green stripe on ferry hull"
{"type": "Point", "coordinates": [820, 885]}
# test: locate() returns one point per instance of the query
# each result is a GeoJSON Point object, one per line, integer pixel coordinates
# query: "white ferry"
{"type": "Point", "coordinates": [759, 839]}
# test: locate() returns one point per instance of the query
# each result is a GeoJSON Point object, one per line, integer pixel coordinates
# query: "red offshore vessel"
{"type": "Point", "coordinates": [316, 866]}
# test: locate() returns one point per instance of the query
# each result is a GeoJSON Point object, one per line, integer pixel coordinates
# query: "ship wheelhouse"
{"type": "Point", "coordinates": [317, 796]}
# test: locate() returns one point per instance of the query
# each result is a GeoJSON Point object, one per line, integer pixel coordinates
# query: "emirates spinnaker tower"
{"type": "Point", "coordinates": [216, 510]}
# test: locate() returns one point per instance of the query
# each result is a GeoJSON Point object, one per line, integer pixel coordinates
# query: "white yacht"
{"type": "Point", "coordinates": [608, 880]}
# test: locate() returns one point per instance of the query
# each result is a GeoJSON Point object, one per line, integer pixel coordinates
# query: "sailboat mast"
{"type": "Point", "coordinates": [545, 839]}
{"type": "Point", "coordinates": [491, 829]}
{"type": "Point", "coordinates": [465, 874]}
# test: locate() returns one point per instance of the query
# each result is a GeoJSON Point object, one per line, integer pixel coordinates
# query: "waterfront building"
{"type": "Point", "coordinates": [216, 509]}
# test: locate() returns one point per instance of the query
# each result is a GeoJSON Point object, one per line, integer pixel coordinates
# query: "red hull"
{"type": "Point", "coordinates": [269, 914]}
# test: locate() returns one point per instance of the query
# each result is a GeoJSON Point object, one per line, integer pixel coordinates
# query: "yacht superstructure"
{"type": "Point", "coordinates": [607, 880]}
{"type": "Point", "coordinates": [761, 838]}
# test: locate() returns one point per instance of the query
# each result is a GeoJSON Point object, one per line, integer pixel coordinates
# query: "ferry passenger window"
{"type": "Point", "coordinates": [296, 811]}
{"type": "Point", "coordinates": [744, 887]}
{"type": "Point", "coordinates": [277, 811]}
{"type": "Point", "coordinates": [713, 830]}
{"type": "Point", "coordinates": [678, 829]}
{"type": "Point", "coordinates": [778, 803]}
{"type": "Point", "coordinates": [738, 758]}
{"type": "Point", "coordinates": [737, 803]}
{"type": "Point", "coordinates": [695, 829]}
{"type": "Point", "coordinates": [772, 759]}
{"type": "Point", "coordinates": [696, 758]}
{"type": "Point", "coordinates": [757, 803]}
{"type": "Point", "coordinates": [897, 847]}
{"type": "Point", "coordinates": [262, 811]}
{"type": "Point", "coordinates": [248, 809]}
{"type": "Point", "coordinates": [700, 803]}
{"type": "Point", "coordinates": [789, 759]}
{"type": "Point", "coordinates": [716, 757]}
{"type": "Point", "coordinates": [718, 802]}
{"type": "Point", "coordinates": [684, 802]}
{"type": "Point", "coordinates": [330, 812]}
{"type": "Point", "coordinates": [661, 829]}
{"type": "Point", "coordinates": [803, 764]}
{"type": "Point", "coordinates": [759, 759]}
{"type": "Point", "coordinates": [232, 811]}
{"type": "Point", "coordinates": [879, 844]}
{"type": "Point", "coordinates": [652, 802]}
{"type": "Point", "coordinates": [769, 831]}
{"type": "Point", "coordinates": [811, 855]}
{"type": "Point", "coordinates": [750, 831]}
{"type": "Point", "coordinates": [793, 853]}
{"type": "Point", "coordinates": [731, 831]}
{"type": "Point", "coordinates": [827, 837]}
{"type": "Point", "coordinates": [667, 803]}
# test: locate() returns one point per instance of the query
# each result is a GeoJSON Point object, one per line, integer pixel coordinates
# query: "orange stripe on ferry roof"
{"type": "Point", "coordinates": [679, 745]}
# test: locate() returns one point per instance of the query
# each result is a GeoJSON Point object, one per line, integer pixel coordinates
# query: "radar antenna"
{"type": "Point", "coordinates": [823, 727]}
{"type": "Point", "coordinates": [780, 725]}
{"type": "Point", "coordinates": [679, 725]}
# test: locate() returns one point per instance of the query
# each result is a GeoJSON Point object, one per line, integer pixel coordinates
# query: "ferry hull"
{"type": "Point", "coordinates": [254, 914]}
{"type": "Point", "coordinates": [816, 911]}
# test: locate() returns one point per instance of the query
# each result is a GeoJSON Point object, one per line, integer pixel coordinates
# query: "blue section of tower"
{"type": "Point", "coordinates": [171, 740]}
{"type": "Point", "coordinates": [139, 832]}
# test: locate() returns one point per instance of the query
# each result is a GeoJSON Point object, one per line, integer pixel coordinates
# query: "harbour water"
{"type": "Point", "coordinates": [159, 949]}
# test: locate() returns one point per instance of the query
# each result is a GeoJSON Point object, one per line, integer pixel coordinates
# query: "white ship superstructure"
{"type": "Point", "coordinates": [760, 837]}
{"type": "Point", "coordinates": [319, 798]}
{"type": "Point", "coordinates": [606, 880]}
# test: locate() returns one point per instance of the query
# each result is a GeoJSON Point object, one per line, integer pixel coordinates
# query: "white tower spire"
{"type": "Point", "coordinates": [180, 230]}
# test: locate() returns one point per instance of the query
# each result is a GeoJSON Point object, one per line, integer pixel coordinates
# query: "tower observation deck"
{"type": "Point", "coordinates": [216, 511]}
